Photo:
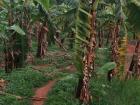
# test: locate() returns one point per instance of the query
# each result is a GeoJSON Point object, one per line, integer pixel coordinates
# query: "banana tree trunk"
{"type": "Point", "coordinates": [100, 38]}
{"type": "Point", "coordinates": [9, 60]}
{"type": "Point", "coordinates": [9, 56]}
{"type": "Point", "coordinates": [29, 57]}
{"type": "Point", "coordinates": [88, 62]}
{"type": "Point", "coordinates": [115, 45]}
{"type": "Point", "coordinates": [42, 42]}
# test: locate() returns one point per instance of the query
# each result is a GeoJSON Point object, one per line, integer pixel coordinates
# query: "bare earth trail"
{"type": "Point", "coordinates": [41, 93]}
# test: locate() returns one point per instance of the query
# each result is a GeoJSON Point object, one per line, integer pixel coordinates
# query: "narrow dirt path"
{"type": "Point", "coordinates": [42, 92]}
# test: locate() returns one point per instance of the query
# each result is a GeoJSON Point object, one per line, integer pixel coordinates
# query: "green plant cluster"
{"type": "Point", "coordinates": [21, 82]}
{"type": "Point", "coordinates": [103, 92]}
{"type": "Point", "coordinates": [63, 93]}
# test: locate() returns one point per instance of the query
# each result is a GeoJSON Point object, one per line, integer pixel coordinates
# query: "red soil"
{"type": "Point", "coordinates": [130, 53]}
{"type": "Point", "coordinates": [41, 66]}
{"type": "Point", "coordinates": [2, 65]}
{"type": "Point", "coordinates": [41, 93]}
{"type": "Point", "coordinates": [69, 69]}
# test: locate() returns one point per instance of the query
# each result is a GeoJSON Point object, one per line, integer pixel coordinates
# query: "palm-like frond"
{"type": "Point", "coordinates": [133, 12]}
{"type": "Point", "coordinates": [82, 27]}
{"type": "Point", "coordinates": [46, 4]}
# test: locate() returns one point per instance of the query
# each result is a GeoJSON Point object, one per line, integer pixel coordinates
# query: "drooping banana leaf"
{"type": "Point", "coordinates": [133, 13]}
{"type": "Point", "coordinates": [46, 4]}
{"type": "Point", "coordinates": [107, 67]}
{"type": "Point", "coordinates": [17, 29]}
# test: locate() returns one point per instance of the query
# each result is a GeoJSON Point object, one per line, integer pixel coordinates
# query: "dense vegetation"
{"type": "Point", "coordinates": [90, 49]}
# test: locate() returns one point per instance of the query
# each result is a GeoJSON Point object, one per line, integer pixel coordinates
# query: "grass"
{"type": "Point", "coordinates": [63, 93]}
{"type": "Point", "coordinates": [57, 61]}
{"type": "Point", "coordinates": [104, 93]}
{"type": "Point", "coordinates": [102, 56]}
{"type": "Point", "coordinates": [124, 93]}
{"type": "Point", "coordinates": [21, 82]}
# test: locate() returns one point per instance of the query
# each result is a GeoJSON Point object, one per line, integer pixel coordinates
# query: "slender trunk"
{"type": "Point", "coordinates": [99, 39]}
{"type": "Point", "coordinates": [29, 57]}
{"type": "Point", "coordinates": [115, 45]}
{"type": "Point", "coordinates": [9, 60]}
{"type": "Point", "coordinates": [42, 43]}
{"type": "Point", "coordinates": [9, 57]}
{"type": "Point", "coordinates": [108, 37]}
{"type": "Point", "coordinates": [88, 62]}
{"type": "Point", "coordinates": [100, 36]}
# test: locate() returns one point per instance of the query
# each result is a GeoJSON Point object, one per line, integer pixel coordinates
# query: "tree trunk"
{"type": "Point", "coordinates": [88, 62]}
{"type": "Point", "coordinates": [115, 45]}
{"type": "Point", "coordinates": [100, 37]}
{"type": "Point", "coordinates": [29, 57]}
{"type": "Point", "coordinates": [9, 61]}
{"type": "Point", "coordinates": [9, 57]}
{"type": "Point", "coordinates": [42, 43]}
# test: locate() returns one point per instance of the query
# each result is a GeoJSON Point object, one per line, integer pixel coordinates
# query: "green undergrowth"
{"type": "Point", "coordinates": [53, 47]}
{"type": "Point", "coordinates": [103, 92]}
{"type": "Point", "coordinates": [21, 82]}
{"type": "Point", "coordinates": [10, 100]}
{"type": "Point", "coordinates": [57, 61]}
{"type": "Point", "coordinates": [63, 92]}
{"type": "Point", "coordinates": [52, 72]}
{"type": "Point", "coordinates": [102, 56]}
{"type": "Point", "coordinates": [121, 93]}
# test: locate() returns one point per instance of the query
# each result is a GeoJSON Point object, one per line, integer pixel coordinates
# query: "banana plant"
{"type": "Point", "coordinates": [15, 33]}
{"type": "Point", "coordinates": [44, 7]}
{"type": "Point", "coordinates": [85, 45]}
{"type": "Point", "coordinates": [133, 13]}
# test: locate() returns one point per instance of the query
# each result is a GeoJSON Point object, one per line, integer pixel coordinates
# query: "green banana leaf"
{"type": "Point", "coordinates": [17, 29]}
{"type": "Point", "coordinates": [107, 67]}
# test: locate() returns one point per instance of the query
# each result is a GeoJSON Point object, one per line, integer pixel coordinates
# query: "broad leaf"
{"type": "Point", "coordinates": [17, 29]}
{"type": "Point", "coordinates": [46, 4]}
{"type": "Point", "coordinates": [107, 67]}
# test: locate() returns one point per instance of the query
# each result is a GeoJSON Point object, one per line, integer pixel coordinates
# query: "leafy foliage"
{"type": "Point", "coordinates": [107, 67]}
{"type": "Point", "coordinates": [65, 90]}
{"type": "Point", "coordinates": [20, 83]}
{"type": "Point", "coordinates": [134, 14]}
{"type": "Point", "coordinates": [70, 17]}
{"type": "Point", "coordinates": [17, 29]}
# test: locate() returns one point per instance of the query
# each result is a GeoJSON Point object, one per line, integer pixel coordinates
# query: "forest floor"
{"type": "Point", "coordinates": [58, 65]}
{"type": "Point", "coordinates": [42, 92]}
